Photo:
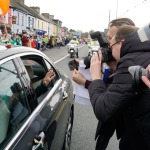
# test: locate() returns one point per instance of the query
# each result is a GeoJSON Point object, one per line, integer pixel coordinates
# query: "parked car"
{"type": "Point", "coordinates": [33, 116]}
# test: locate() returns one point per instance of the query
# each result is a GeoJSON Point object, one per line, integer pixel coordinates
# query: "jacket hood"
{"type": "Point", "coordinates": [133, 44]}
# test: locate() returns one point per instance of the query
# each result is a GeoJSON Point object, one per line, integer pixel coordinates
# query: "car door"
{"type": "Point", "coordinates": [14, 110]}
{"type": "Point", "coordinates": [49, 111]}
{"type": "Point", "coordinates": [62, 103]}
{"type": "Point", "coordinates": [23, 130]}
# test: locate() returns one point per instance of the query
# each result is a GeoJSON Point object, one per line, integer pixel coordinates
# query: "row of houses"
{"type": "Point", "coordinates": [23, 18]}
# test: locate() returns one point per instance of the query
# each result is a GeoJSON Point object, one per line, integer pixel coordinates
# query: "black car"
{"type": "Point", "coordinates": [33, 116]}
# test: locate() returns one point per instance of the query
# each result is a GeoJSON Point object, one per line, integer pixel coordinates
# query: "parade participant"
{"type": "Point", "coordinates": [75, 41]}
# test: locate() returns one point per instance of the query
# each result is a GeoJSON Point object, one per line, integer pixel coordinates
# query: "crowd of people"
{"type": "Point", "coordinates": [40, 42]}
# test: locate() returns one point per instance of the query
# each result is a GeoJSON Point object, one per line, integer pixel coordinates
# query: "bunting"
{"type": "Point", "coordinates": [135, 6]}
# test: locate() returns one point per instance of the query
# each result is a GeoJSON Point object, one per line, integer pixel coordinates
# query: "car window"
{"type": "Point", "coordinates": [13, 107]}
{"type": "Point", "coordinates": [37, 70]}
{"type": "Point", "coordinates": [50, 67]}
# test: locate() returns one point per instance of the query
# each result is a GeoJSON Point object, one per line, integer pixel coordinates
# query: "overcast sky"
{"type": "Point", "coordinates": [94, 15]}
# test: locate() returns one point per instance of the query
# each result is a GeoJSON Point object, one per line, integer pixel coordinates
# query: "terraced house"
{"type": "Point", "coordinates": [24, 18]}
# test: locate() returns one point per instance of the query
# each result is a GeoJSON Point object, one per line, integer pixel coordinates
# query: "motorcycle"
{"type": "Point", "coordinates": [93, 47]}
{"type": "Point", "coordinates": [73, 50]}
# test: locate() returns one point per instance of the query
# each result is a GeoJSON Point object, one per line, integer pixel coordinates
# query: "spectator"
{"type": "Point", "coordinates": [25, 40]}
{"type": "Point", "coordinates": [106, 129]}
{"type": "Point", "coordinates": [33, 43]}
{"type": "Point", "coordinates": [45, 40]}
{"type": "Point", "coordinates": [58, 40]}
{"type": "Point", "coordinates": [52, 41]}
{"type": "Point", "coordinates": [18, 40]}
{"type": "Point", "coordinates": [121, 97]}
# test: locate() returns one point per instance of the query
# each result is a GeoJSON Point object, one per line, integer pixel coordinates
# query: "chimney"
{"type": "Point", "coordinates": [52, 16]}
{"type": "Point", "coordinates": [47, 15]}
{"type": "Point", "coordinates": [37, 9]}
{"type": "Point", "coordinates": [19, 1]}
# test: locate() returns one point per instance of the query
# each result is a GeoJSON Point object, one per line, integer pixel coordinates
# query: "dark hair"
{"type": "Point", "coordinates": [124, 31]}
{"type": "Point", "coordinates": [120, 22]}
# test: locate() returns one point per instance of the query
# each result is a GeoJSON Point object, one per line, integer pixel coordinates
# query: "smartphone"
{"type": "Point", "coordinates": [73, 65]}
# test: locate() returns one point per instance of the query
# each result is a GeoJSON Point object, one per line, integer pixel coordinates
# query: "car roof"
{"type": "Point", "coordinates": [7, 52]}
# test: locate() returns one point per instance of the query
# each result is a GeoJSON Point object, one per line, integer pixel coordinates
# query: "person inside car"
{"type": "Point", "coordinates": [16, 90]}
{"type": "Point", "coordinates": [50, 75]}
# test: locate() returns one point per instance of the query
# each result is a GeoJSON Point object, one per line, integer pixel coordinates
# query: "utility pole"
{"type": "Point", "coordinates": [109, 17]}
{"type": "Point", "coordinates": [117, 10]}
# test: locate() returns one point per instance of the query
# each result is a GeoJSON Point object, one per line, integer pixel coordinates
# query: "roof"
{"type": "Point", "coordinates": [19, 7]}
{"type": "Point", "coordinates": [4, 52]}
{"type": "Point", "coordinates": [29, 11]}
{"type": "Point", "coordinates": [35, 13]}
{"type": "Point", "coordinates": [2, 48]}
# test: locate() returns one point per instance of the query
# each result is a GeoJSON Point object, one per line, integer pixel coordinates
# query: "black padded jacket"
{"type": "Point", "coordinates": [121, 97]}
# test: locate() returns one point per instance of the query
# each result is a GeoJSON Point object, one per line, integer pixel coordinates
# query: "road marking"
{"type": "Point", "coordinates": [65, 56]}
{"type": "Point", "coordinates": [61, 59]}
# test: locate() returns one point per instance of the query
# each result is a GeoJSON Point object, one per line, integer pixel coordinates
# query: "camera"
{"type": "Point", "coordinates": [106, 51]}
{"type": "Point", "coordinates": [137, 72]}
{"type": "Point", "coordinates": [102, 39]}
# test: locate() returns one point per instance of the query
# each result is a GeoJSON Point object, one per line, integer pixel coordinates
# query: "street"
{"type": "Point", "coordinates": [85, 122]}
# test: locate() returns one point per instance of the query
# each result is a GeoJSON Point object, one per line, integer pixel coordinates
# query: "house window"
{"type": "Point", "coordinates": [22, 20]}
{"type": "Point", "coordinates": [18, 18]}
{"type": "Point", "coordinates": [38, 24]}
{"type": "Point", "coordinates": [32, 22]}
{"type": "Point", "coordinates": [42, 25]}
{"type": "Point", "coordinates": [28, 21]}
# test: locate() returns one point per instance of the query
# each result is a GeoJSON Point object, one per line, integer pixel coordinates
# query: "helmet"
{"type": "Point", "coordinates": [74, 37]}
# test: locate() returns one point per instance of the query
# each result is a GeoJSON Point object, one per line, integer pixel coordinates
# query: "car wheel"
{"type": "Point", "coordinates": [67, 142]}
